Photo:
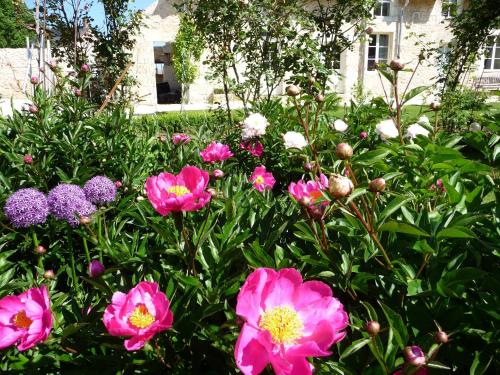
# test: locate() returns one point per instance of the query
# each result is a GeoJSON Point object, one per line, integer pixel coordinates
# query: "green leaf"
{"type": "Point", "coordinates": [481, 363]}
{"type": "Point", "coordinates": [413, 93]}
{"type": "Point", "coordinates": [392, 207]}
{"type": "Point", "coordinates": [371, 157]}
{"type": "Point", "coordinates": [396, 323]}
{"type": "Point", "coordinates": [453, 283]}
{"type": "Point", "coordinates": [455, 232]}
{"type": "Point", "coordinates": [354, 347]}
{"type": "Point", "coordinates": [399, 227]}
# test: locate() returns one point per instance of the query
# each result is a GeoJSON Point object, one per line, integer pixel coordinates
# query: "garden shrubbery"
{"type": "Point", "coordinates": [346, 252]}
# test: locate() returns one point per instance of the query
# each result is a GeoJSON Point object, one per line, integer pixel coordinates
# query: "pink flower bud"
{"type": "Point", "coordinates": [28, 159]}
{"type": "Point", "coordinates": [85, 220]}
{"type": "Point", "coordinates": [217, 174]}
{"type": "Point", "coordinates": [343, 151]}
{"type": "Point", "coordinates": [118, 184]}
{"type": "Point", "coordinates": [162, 138]}
{"type": "Point", "coordinates": [212, 192]}
{"type": "Point", "coordinates": [292, 90]}
{"type": "Point", "coordinates": [308, 167]}
{"type": "Point", "coordinates": [340, 186]}
{"type": "Point", "coordinates": [33, 109]}
{"type": "Point", "coordinates": [435, 106]}
{"type": "Point", "coordinates": [414, 355]}
{"type": "Point", "coordinates": [319, 98]}
{"type": "Point", "coordinates": [78, 92]}
{"type": "Point", "coordinates": [363, 135]}
{"type": "Point", "coordinates": [372, 327]}
{"type": "Point", "coordinates": [441, 337]}
{"type": "Point", "coordinates": [40, 250]}
{"type": "Point", "coordinates": [439, 183]}
{"type": "Point", "coordinates": [316, 211]}
{"type": "Point", "coordinates": [49, 275]}
{"type": "Point", "coordinates": [34, 80]}
{"type": "Point", "coordinates": [369, 30]}
{"type": "Point", "coordinates": [396, 65]}
{"type": "Point", "coordinates": [85, 68]}
{"type": "Point", "coordinates": [96, 269]}
{"type": "Point", "coordinates": [377, 185]}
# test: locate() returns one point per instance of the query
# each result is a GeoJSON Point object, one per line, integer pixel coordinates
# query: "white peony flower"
{"type": "Point", "coordinates": [340, 126]}
{"type": "Point", "coordinates": [416, 129]}
{"type": "Point", "coordinates": [294, 140]}
{"type": "Point", "coordinates": [254, 126]}
{"type": "Point", "coordinates": [424, 121]}
{"type": "Point", "coordinates": [475, 127]}
{"type": "Point", "coordinates": [387, 129]}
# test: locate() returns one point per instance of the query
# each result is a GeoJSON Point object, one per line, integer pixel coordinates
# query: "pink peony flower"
{"type": "Point", "coordinates": [216, 152]}
{"type": "Point", "coordinates": [309, 192]}
{"type": "Point", "coordinates": [141, 313]}
{"type": "Point", "coordinates": [261, 179]}
{"type": "Point", "coordinates": [184, 192]}
{"type": "Point", "coordinates": [180, 138]}
{"type": "Point", "coordinates": [420, 371]}
{"type": "Point", "coordinates": [25, 318]}
{"type": "Point", "coordinates": [286, 321]}
{"type": "Point", "coordinates": [254, 148]}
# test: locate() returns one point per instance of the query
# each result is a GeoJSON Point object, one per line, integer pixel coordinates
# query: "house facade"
{"type": "Point", "coordinates": [400, 29]}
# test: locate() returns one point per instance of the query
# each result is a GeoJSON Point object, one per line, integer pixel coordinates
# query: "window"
{"type": "Point", "coordinates": [378, 50]}
{"type": "Point", "coordinates": [449, 8]}
{"type": "Point", "coordinates": [382, 8]}
{"type": "Point", "coordinates": [492, 53]}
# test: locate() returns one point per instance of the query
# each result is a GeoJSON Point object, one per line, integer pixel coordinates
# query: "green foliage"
{"type": "Point", "coordinates": [461, 107]}
{"type": "Point", "coordinates": [187, 50]}
{"type": "Point", "coordinates": [15, 25]}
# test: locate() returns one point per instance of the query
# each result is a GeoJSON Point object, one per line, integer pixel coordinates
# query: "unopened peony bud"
{"type": "Point", "coordinates": [96, 269]}
{"type": "Point", "coordinates": [118, 184]}
{"type": "Point", "coordinates": [217, 174]}
{"type": "Point", "coordinates": [212, 192]}
{"type": "Point", "coordinates": [320, 98]}
{"type": "Point", "coordinates": [28, 159]}
{"type": "Point", "coordinates": [34, 80]}
{"type": "Point", "coordinates": [396, 65]}
{"type": "Point", "coordinates": [414, 355]}
{"type": "Point", "coordinates": [85, 68]}
{"type": "Point", "coordinates": [49, 275]}
{"type": "Point", "coordinates": [311, 80]}
{"type": "Point", "coordinates": [316, 211]}
{"type": "Point", "coordinates": [33, 109]}
{"type": "Point", "coordinates": [441, 337]}
{"type": "Point", "coordinates": [435, 106]}
{"type": "Point", "coordinates": [292, 90]}
{"type": "Point", "coordinates": [363, 135]}
{"type": "Point", "coordinates": [372, 327]}
{"type": "Point", "coordinates": [52, 65]}
{"type": "Point", "coordinates": [78, 92]}
{"type": "Point", "coordinates": [40, 250]}
{"type": "Point", "coordinates": [369, 30]}
{"type": "Point", "coordinates": [377, 185]}
{"type": "Point", "coordinates": [140, 198]}
{"type": "Point", "coordinates": [162, 138]}
{"type": "Point", "coordinates": [340, 186]}
{"type": "Point", "coordinates": [85, 220]}
{"type": "Point", "coordinates": [343, 151]}
{"type": "Point", "coordinates": [308, 167]}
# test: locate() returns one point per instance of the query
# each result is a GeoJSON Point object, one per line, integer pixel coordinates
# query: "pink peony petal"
{"type": "Point", "coordinates": [9, 336]}
{"type": "Point", "coordinates": [282, 290]}
{"type": "Point", "coordinates": [250, 301]}
{"type": "Point", "coordinates": [250, 354]}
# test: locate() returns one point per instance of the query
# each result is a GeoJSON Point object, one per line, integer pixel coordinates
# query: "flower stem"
{"type": "Point", "coordinates": [179, 223]}
{"type": "Point", "coordinates": [86, 247]}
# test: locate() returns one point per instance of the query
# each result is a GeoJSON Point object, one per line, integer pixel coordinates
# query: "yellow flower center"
{"type": "Point", "coordinates": [259, 180]}
{"type": "Point", "coordinates": [283, 323]}
{"type": "Point", "coordinates": [315, 195]}
{"type": "Point", "coordinates": [179, 190]}
{"type": "Point", "coordinates": [20, 320]}
{"type": "Point", "coordinates": [141, 317]}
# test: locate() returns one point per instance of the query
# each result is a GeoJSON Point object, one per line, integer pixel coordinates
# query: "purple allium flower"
{"type": "Point", "coordinates": [68, 202]}
{"type": "Point", "coordinates": [100, 189]}
{"type": "Point", "coordinates": [26, 207]}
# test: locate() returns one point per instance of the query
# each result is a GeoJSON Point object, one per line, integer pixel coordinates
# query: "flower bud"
{"type": "Point", "coordinates": [33, 109]}
{"type": "Point", "coordinates": [96, 269]}
{"type": "Point", "coordinates": [85, 68]}
{"type": "Point", "coordinates": [435, 106]}
{"type": "Point", "coordinates": [363, 135]}
{"type": "Point", "coordinates": [140, 198]}
{"type": "Point", "coordinates": [34, 80]}
{"type": "Point", "coordinates": [414, 355]}
{"type": "Point", "coordinates": [52, 65]}
{"type": "Point", "coordinates": [212, 192]}
{"type": "Point", "coordinates": [85, 220]}
{"type": "Point", "coordinates": [49, 275]}
{"type": "Point", "coordinates": [292, 90]}
{"type": "Point", "coordinates": [372, 327]}
{"type": "Point", "coordinates": [311, 80]}
{"type": "Point", "coordinates": [78, 92]}
{"type": "Point", "coordinates": [377, 185]}
{"type": "Point", "coordinates": [316, 211]}
{"type": "Point", "coordinates": [396, 65]}
{"type": "Point", "coordinates": [340, 186]}
{"type": "Point", "coordinates": [439, 183]}
{"type": "Point", "coordinates": [305, 201]}
{"type": "Point", "coordinates": [40, 250]}
{"type": "Point", "coordinates": [320, 98]}
{"type": "Point", "coordinates": [118, 184]}
{"type": "Point", "coordinates": [441, 337]}
{"type": "Point", "coordinates": [343, 151]}
{"type": "Point", "coordinates": [28, 159]}
{"type": "Point", "coordinates": [308, 167]}
{"type": "Point", "coordinates": [217, 174]}
{"type": "Point", "coordinates": [162, 138]}
{"type": "Point", "coordinates": [369, 30]}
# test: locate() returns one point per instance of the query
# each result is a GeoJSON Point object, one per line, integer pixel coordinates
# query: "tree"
{"type": "Point", "coordinates": [16, 24]}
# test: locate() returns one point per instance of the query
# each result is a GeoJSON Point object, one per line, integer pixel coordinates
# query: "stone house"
{"type": "Point", "coordinates": [399, 26]}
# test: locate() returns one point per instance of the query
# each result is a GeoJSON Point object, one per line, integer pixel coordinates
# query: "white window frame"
{"type": "Point", "coordinates": [382, 2]}
{"type": "Point", "coordinates": [495, 46]}
{"type": "Point", "coordinates": [377, 50]}
{"type": "Point", "coordinates": [448, 13]}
